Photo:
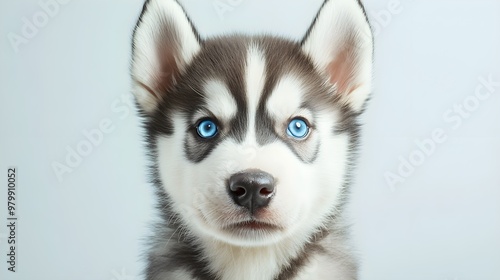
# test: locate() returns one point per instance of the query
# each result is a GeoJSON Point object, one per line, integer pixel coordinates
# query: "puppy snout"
{"type": "Point", "coordinates": [252, 189]}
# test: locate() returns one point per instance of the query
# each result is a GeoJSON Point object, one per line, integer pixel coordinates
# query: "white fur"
{"type": "Point", "coordinates": [255, 76]}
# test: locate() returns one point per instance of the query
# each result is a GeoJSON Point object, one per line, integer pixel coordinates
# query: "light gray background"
{"type": "Point", "coordinates": [442, 223]}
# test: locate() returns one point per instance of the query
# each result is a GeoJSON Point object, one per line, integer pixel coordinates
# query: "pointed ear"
{"type": "Point", "coordinates": [164, 43]}
{"type": "Point", "coordinates": [340, 44]}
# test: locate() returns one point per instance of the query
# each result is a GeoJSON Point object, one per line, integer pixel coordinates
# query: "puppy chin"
{"type": "Point", "coordinates": [246, 233]}
{"type": "Point", "coordinates": [247, 237]}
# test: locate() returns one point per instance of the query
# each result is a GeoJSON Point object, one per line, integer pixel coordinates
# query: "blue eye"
{"type": "Point", "coordinates": [298, 128]}
{"type": "Point", "coordinates": [207, 129]}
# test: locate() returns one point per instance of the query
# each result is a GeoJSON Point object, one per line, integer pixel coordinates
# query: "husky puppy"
{"type": "Point", "coordinates": [252, 141]}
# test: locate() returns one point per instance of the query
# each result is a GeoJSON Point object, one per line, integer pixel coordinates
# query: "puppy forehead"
{"type": "Point", "coordinates": [237, 75]}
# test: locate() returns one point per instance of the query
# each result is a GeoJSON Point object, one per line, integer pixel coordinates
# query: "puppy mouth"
{"type": "Point", "coordinates": [253, 225]}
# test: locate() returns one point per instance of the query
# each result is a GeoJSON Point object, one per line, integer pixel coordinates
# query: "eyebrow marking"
{"type": "Point", "coordinates": [219, 100]}
{"type": "Point", "coordinates": [286, 98]}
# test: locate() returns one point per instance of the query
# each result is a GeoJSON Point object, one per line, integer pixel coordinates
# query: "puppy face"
{"type": "Point", "coordinates": [251, 137]}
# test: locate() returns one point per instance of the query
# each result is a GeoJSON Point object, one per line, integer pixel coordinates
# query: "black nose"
{"type": "Point", "coordinates": [252, 189]}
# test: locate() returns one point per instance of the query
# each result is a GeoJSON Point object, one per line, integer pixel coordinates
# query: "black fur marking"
{"type": "Point", "coordinates": [197, 149]}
